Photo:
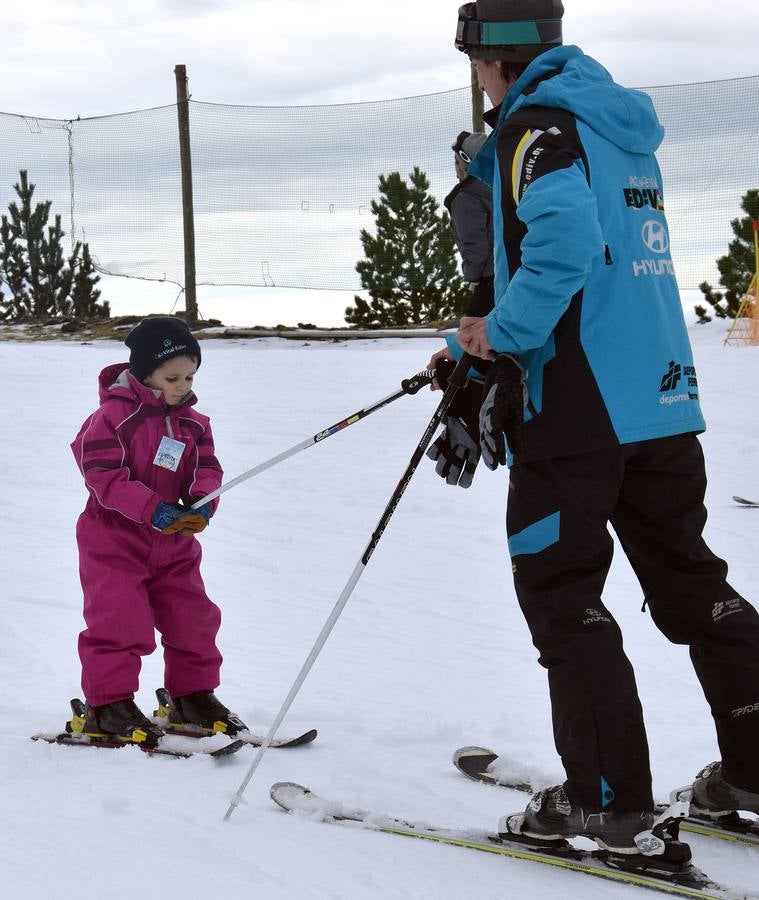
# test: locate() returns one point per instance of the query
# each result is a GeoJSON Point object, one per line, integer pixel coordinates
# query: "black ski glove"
{"type": "Point", "coordinates": [457, 450]}
{"type": "Point", "coordinates": [502, 411]}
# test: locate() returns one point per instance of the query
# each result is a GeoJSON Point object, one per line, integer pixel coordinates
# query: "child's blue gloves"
{"type": "Point", "coordinates": [172, 519]}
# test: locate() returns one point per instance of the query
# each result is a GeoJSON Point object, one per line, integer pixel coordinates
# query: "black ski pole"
{"type": "Point", "coordinates": [456, 381]}
{"type": "Point", "coordinates": [408, 386]}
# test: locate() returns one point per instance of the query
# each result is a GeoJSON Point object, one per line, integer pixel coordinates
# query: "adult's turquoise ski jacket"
{"type": "Point", "coordinates": [585, 290]}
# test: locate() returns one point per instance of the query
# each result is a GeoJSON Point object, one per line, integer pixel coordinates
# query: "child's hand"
{"type": "Point", "coordinates": [204, 510]}
{"type": "Point", "coordinates": [172, 519]}
{"type": "Point", "coordinates": [195, 519]}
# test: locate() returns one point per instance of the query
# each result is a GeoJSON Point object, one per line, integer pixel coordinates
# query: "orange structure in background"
{"type": "Point", "coordinates": [745, 327]}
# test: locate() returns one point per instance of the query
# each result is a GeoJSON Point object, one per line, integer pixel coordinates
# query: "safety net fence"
{"type": "Point", "coordinates": [282, 193]}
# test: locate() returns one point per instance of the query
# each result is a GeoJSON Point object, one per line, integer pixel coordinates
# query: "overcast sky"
{"type": "Point", "coordinates": [94, 58]}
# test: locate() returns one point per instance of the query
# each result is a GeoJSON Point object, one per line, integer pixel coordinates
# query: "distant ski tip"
{"type": "Point", "coordinates": [289, 795]}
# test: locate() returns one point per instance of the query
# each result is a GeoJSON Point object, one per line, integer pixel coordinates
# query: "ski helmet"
{"type": "Point", "coordinates": [512, 30]}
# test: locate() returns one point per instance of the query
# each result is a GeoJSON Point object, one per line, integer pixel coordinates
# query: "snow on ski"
{"type": "Point", "coordinates": [248, 737]}
{"type": "Point", "coordinates": [690, 883]}
{"type": "Point", "coordinates": [84, 740]}
{"type": "Point", "coordinates": [477, 763]}
{"type": "Point", "coordinates": [75, 735]}
{"type": "Point", "coordinates": [161, 717]}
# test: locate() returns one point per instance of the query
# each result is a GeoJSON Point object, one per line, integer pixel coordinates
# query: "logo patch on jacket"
{"type": "Point", "coordinates": [674, 373]}
{"type": "Point", "coordinates": [526, 156]}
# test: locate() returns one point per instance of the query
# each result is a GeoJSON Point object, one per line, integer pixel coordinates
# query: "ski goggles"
{"type": "Point", "coordinates": [459, 150]}
{"type": "Point", "coordinates": [476, 37]}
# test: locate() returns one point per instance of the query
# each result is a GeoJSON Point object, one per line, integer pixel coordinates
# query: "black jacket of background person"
{"type": "Point", "coordinates": [470, 205]}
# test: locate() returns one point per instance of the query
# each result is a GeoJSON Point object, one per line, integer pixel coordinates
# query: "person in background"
{"type": "Point", "coordinates": [470, 205]}
{"type": "Point", "coordinates": [146, 456]}
{"type": "Point", "coordinates": [592, 398]}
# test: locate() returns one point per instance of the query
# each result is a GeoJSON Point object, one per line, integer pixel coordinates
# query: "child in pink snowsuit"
{"type": "Point", "coordinates": [146, 455]}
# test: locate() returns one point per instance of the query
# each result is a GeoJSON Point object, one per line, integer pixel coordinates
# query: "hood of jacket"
{"type": "Point", "coordinates": [117, 381]}
{"type": "Point", "coordinates": [565, 78]}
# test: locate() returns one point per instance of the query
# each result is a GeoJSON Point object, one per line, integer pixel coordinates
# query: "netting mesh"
{"type": "Point", "coordinates": [281, 193]}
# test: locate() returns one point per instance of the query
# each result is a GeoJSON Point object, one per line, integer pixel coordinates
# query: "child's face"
{"type": "Point", "coordinates": [173, 378]}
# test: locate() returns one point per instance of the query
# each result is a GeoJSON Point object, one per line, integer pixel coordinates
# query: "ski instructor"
{"type": "Point", "coordinates": [592, 400]}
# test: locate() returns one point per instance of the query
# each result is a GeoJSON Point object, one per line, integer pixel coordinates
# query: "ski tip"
{"type": "Point", "coordinates": [474, 762]}
{"type": "Point", "coordinates": [226, 750]}
{"type": "Point", "coordinates": [306, 738]}
{"type": "Point", "coordinates": [287, 793]}
{"type": "Point", "coordinates": [466, 752]}
{"type": "Point", "coordinates": [256, 740]}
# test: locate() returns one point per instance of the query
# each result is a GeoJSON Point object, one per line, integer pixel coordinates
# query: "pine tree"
{"type": "Point", "coordinates": [736, 269]}
{"type": "Point", "coordinates": [84, 295]}
{"type": "Point", "coordinates": [410, 269]}
{"type": "Point", "coordinates": [13, 272]}
{"type": "Point", "coordinates": [23, 232]}
{"type": "Point", "coordinates": [41, 281]}
{"type": "Point", "coordinates": [55, 276]}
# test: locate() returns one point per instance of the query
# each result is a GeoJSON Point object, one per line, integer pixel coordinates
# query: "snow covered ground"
{"type": "Point", "coordinates": [430, 654]}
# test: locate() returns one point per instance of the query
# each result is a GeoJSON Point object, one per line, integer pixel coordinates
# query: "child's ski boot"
{"type": "Point", "coordinates": [198, 714]}
{"type": "Point", "coordinates": [121, 721]}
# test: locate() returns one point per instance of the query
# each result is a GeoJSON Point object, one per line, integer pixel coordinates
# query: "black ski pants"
{"type": "Point", "coordinates": [652, 494]}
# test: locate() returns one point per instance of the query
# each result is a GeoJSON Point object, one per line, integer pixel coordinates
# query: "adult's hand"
{"type": "Point", "coordinates": [441, 356]}
{"type": "Point", "coordinates": [473, 338]}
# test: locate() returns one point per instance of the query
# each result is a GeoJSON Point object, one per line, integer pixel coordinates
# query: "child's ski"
{"type": "Point", "coordinates": [161, 717]}
{"type": "Point", "coordinates": [243, 737]}
{"type": "Point", "coordinates": [84, 740]}
{"type": "Point", "coordinates": [744, 502]}
{"type": "Point", "coordinates": [75, 735]}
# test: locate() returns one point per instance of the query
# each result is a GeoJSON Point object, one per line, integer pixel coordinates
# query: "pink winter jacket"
{"type": "Point", "coordinates": [116, 446]}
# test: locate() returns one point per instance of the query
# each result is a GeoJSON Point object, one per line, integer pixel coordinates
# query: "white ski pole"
{"type": "Point", "coordinates": [408, 386]}
{"type": "Point", "coordinates": [456, 381]}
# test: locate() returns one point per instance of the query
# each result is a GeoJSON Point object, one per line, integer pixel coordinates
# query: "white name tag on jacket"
{"type": "Point", "coordinates": [169, 453]}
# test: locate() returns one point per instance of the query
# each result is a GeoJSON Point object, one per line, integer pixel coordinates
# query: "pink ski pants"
{"type": "Point", "coordinates": [136, 580]}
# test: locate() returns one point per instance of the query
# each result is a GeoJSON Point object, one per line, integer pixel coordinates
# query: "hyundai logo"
{"type": "Point", "coordinates": [655, 236]}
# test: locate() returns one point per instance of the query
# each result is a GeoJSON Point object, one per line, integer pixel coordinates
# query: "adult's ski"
{"type": "Point", "coordinates": [687, 881]}
{"type": "Point", "coordinates": [744, 502]}
{"type": "Point", "coordinates": [161, 717]}
{"type": "Point", "coordinates": [477, 763]}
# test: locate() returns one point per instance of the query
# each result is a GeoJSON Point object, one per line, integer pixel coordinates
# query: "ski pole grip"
{"type": "Point", "coordinates": [414, 384]}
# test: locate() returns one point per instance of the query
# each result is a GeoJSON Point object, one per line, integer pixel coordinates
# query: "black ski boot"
{"type": "Point", "coordinates": [713, 798]}
{"type": "Point", "coordinates": [629, 841]}
{"type": "Point", "coordinates": [551, 816]}
{"type": "Point", "coordinates": [201, 711]}
{"type": "Point", "coordinates": [122, 720]}
{"type": "Point", "coordinates": [638, 842]}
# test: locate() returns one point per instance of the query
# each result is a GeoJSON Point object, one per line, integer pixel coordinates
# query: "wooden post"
{"type": "Point", "coordinates": [478, 102]}
{"type": "Point", "coordinates": [185, 156]}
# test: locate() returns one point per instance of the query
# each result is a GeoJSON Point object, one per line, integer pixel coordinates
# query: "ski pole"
{"type": "Point", "coordinates": [456, 381]}
{"type": "Point", "coordinates": [408, 386]}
